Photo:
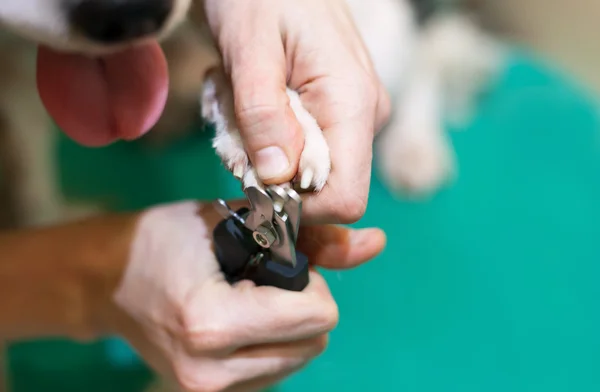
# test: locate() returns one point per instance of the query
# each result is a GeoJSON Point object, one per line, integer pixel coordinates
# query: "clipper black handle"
{"type": "Point", "coordinates": [271, 273]}
{"type": "Point", "coordinates": [235, 248]}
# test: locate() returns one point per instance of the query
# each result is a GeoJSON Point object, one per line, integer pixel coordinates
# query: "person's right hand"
{"type": "Point", "coordinates": [177, 310]}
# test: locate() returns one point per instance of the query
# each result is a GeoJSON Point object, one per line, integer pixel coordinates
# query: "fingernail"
{"type": "Point", "coordinates": [271, 162]}
{"type": "Point", "coordinates": [360, 237]}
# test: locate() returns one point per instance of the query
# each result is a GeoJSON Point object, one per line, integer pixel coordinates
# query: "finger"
{"type": "Point", "coordinates": [269, 360]}
{"type": "Point", "coordinates": [305, 348]}
{"type": "Point", "coordinates": [285, 360]}
{"type": "Point", "coordinates": [243, 315]}
{"type": "Point", "coordinates": [255, 58]}
{"type": "Point", "coordinates": [347, 117]}
{"type": "Point", "coordinates": [337, 247]}
{"type": "Point", "coordinates": [249, 366]}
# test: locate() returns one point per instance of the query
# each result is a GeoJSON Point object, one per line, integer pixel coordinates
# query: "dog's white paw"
{"type": "Point", "coordinates": [315, 162]}
{"type": "Point", "coordinates": [416, 162]}
{"type": "Point", "coordinates": [230, 149]}
{"type": "Point", "coordinates": [217, 108]}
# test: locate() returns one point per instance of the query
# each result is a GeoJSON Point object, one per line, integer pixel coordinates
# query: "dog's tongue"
{"type": "Point", "coordinates": [96, 101]}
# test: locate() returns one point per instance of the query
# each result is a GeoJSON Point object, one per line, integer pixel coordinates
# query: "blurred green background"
{"type": "Point", "coordinates": [490, 286]}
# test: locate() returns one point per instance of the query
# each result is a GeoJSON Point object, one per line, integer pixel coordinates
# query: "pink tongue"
{"type": "Point", "coordinates": [97, 101]}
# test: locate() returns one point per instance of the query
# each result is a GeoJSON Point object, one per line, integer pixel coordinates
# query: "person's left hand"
{"type": "Point", "coordinates": [314, 48]}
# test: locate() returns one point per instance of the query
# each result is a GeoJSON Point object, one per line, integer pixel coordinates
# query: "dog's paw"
{"type": "Point", "coordinates": [230, 149]}
{"type": "Point", "coordinates": [216, 102]}
{"type": "Point", "coordinates": [418, 162]}
{"type": "Point", "coordinates": [217, 108]}
{"type": "Point", "coordinates": [315, 161]}
{"type": "Point", "coordinates": [251, 179]}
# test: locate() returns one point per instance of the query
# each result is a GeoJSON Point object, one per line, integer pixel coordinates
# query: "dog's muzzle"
{"type": "Point", "coordinates": [116, 21]}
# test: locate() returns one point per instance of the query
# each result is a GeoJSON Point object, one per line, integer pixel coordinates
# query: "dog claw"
{"type": "Point", "coordinates": [306, 179]}
{"type": "Point", "coordinates": [238, 171]}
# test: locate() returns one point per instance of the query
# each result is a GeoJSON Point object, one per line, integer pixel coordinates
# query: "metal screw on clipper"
{"type": "Point", "coordinates": [264, 236]}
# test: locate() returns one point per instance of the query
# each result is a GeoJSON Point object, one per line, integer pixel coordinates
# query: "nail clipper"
{"type": "Point", "coordinates": [259, 243]}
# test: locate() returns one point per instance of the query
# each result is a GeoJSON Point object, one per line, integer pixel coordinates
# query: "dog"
{"type": "Point", "coordinates": [431, 62]}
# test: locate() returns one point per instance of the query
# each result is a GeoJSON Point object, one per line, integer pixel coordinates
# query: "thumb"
{"type": "Point", "coordinates": [269, 129]}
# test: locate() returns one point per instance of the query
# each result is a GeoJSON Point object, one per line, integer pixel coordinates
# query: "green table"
{"type": "Point", "coordinates": [490, 286]}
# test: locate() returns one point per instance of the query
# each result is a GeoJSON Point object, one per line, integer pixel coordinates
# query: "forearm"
{"type": "Point", "coordinates": [59, 281]}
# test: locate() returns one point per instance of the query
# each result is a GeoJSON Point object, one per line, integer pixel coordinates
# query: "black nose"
{"type": "Point", "coordinates": [113, 21]}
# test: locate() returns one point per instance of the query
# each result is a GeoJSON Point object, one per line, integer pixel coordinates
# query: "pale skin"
{"type": "Point", "coordinates": [314, 48]}
{"type": "Point", "coordinates": [152, 278]}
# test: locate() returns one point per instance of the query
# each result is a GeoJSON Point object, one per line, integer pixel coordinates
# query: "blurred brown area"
{"type": "Point", "coordinates": [565, 32]}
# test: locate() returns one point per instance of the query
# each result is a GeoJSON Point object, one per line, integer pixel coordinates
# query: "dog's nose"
{"type": "Point", "coordinates": [113, 21]}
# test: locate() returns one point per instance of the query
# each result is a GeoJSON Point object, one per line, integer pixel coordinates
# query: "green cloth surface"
{"type": "Point", "coordinates": [490, 286]}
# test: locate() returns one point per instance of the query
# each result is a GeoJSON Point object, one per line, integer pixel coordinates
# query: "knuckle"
{"type": "Point", "coordinates": [205, 336]}
{"type": "Point", "coordinates": [368, 84]}
{"type": "Point", "coordinates": [209, 339]}
{"type": "Point", "coordinates": [262, 125]}
{"type": "Point", "coordinates": [351, 208]}
{"type": "Point", "coordinates": [369, 97]}
{"type": "Point", "coordinates": [329, 316]}
{"type": "Point", "coordinates": [256, 113]}
{"type": "Point", "coordinates": [371, 88]}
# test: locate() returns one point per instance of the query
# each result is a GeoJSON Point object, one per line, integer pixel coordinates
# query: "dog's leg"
{"type": "Point", "coordinates": [413, 151]}
{"type": "Point", "coordinates": [468, 59]}
{"type": "Point", "coordinates": [217, 108]}
{"type": "Point", "coordinates": [453, 62]}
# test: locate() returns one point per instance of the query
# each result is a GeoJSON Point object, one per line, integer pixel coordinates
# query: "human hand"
{"type": "Point", "coordinates": [312, 47]}
{"type": "Point", "coordinates": [177, 310]}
